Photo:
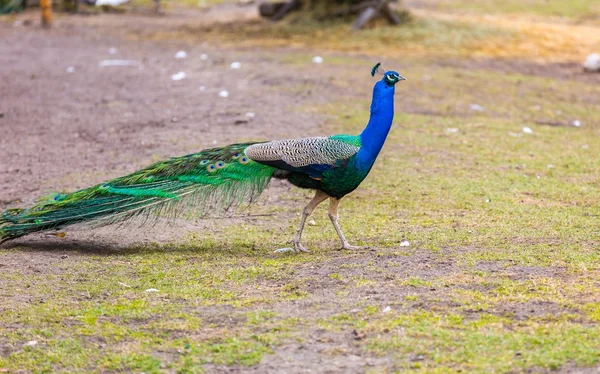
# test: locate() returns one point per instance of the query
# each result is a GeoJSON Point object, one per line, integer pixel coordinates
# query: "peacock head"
{"type": "Point", "coordinates": [390, 78]}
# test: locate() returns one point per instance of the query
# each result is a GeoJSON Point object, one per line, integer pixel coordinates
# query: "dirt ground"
{"type": "Point", "coordinates": [68, 122]}
{"type": "Point", "coordinates": [67, 130]}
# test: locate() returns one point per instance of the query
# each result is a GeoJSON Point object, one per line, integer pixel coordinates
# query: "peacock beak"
{"type": "Point", "coordinates": [401, 78]}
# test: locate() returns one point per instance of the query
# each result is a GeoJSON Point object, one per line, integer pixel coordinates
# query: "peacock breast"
{"type": "Point", "coordinates": [344, 178]}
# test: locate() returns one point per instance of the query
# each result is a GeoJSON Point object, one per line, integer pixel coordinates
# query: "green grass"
{"type": "Point", "coordinates": [582, 9]}
{"type": "Point", "coordinates": [501, 275]}
{"type": "Point", "coordinates": [519, 235]}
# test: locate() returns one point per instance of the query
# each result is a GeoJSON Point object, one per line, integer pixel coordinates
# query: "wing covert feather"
{"type": "Point", "coordinates": [303, 152]}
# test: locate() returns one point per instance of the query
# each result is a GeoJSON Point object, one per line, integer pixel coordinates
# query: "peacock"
{"type": "Point", "coordinates": [224, 177]}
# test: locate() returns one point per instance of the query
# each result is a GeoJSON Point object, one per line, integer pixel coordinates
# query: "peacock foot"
{"type": "Point", "coordinates": [299, 247]}
{"type": "Point", "coordinates": [355, 247]}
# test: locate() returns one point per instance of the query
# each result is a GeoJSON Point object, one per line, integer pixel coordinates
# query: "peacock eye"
{"type": "Point", "coordinates": [244, 160]}
{"type": "Point", "coordinates": [211, 168]}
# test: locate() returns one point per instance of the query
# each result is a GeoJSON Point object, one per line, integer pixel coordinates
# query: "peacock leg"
{"type": "Point", "coordinates": [319, 197]}
{"type": "Point", "coordinates": [333, 216]}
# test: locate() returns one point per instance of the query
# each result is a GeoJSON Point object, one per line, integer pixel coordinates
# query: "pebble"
{"type": "Point", "coordinates": [71, 69]}
{"type": "Point", "coordinates": [317, 60]}
{"type": "Point", "coordinates": [179, 76]}
{"type": "Point", "coordinates": [477, 108]}
{"type": "Point", "coordinates": [527, 130]}
{"type": "Point", "coordinates": [223, 94]}
{"type": "Point", "coordinates": [151, 290]}
{"type": "Point", "coordinates": [236, 65]}
{"type": "Point", "coordinates": [104, 63]}
{"type": "Point", "coordinates": [284, 250]}
{"type": "Point", "coordinates": [404, 243]}
{"type": "Point", "coordinates": [181, 54]}
{"type": "Point", "coordinates": [592, 63]}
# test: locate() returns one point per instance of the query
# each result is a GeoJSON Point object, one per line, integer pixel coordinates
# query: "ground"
{"type": "Point", "coordinates": [490, 172]}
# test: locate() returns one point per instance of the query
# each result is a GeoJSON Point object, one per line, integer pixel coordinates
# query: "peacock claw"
{"type": "Point", "coordinates": [300, 248]}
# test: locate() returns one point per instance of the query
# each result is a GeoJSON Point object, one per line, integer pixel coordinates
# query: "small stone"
{"type": "Point", "coordinates": [250, 115]}
{"type": "Point", "coordinates": [527, 130]}
{"type": "Point", "coordinates": [30, 343]}
{"type": "Point", "coordinates": [223, 93]}
{"type": "Point", "coordinates": [592, 63]}
{"type": "Point", "coordinates": [105, 63]}
{"type": "Point", "coordinates": [204, 57]}
{"type": "Point", "coordinates": [550, 166]}
{"type": "Point", "coordinates": [317, 60]}
{"type": "Point", "coordinates": [404, 243]}
{"type": "Point", "coordinates": [64, 257]}
{"type": "Point", "coordinates": [235, 65]}
{"type": "Point", "coordinates": [476, 108]}
{"type": "Point", "coordinates": [452, 130]}
{"type": "Point", "coordinates": [179, 76]}
{"type": "Point", "coordinates": [151, 290]}
{"type": "Point", "coordinates": [387, 309]}
{"type": "Point", "coordinates": [71, 69]}
{"type": "Point", "coordinates": [312, 222]}
{"type": "Point", "coordinates": [284, 250]}
{"type": "Point", "coordinates": [181, 54]}
{"type": "Point", "coordinates": [112, 51]}
{"type": "Point", "coordinates": [202, 88]}
{"type": "Point", "coordinates": [577, 123]}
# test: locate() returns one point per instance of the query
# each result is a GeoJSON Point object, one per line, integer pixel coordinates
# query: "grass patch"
{"type": "Point", "coordinates": [501, 274]}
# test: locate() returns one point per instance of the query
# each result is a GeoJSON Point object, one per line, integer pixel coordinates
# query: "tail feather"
{"type": "Point", "coordinates": [214, 179]}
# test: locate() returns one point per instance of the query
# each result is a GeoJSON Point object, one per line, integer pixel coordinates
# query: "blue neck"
{"type": "Point", "coordinates": [382, 115]}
